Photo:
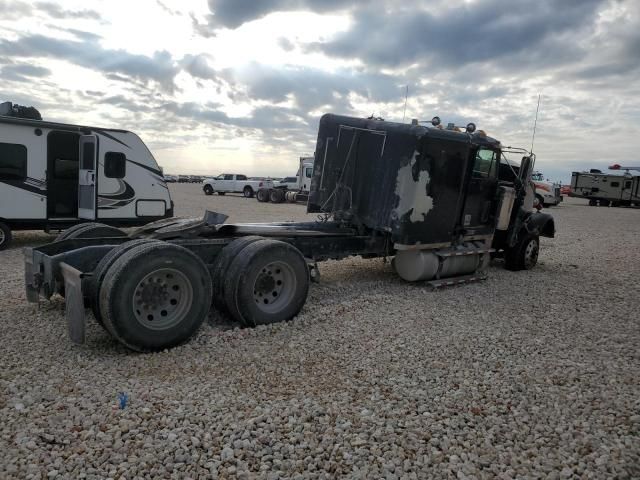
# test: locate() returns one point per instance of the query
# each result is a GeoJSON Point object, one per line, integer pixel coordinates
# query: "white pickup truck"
{"type": "Point", "coordinates": [234, 183]}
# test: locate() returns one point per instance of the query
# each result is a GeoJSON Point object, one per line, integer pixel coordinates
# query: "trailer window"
{"type": "Point", "coordinates": [627, 184]}
{"type": "Point", "coordinates": [485, 163]}
{"type": "Point", "coordinates": [115, 165]}
{"type": "Point", "coordinates": [13, 161]}
{"type": "Point", "coordinates": [614, 184]}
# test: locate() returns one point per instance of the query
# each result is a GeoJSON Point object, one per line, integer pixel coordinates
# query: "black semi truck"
{"type": "Point", "coordinates": [438, 200]}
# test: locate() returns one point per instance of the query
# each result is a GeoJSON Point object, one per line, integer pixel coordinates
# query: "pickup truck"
{"type": "Point", "coordinates": [234, 183]}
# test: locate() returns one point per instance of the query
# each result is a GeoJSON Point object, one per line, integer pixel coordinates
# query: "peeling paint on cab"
{"type": "Point", "coordinates": [412, 194]}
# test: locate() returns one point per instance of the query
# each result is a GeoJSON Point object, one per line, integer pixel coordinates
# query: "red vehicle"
{"type": "Point", "coordinates": [565, 190]}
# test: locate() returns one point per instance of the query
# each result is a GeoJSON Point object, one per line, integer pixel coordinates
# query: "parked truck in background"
{"type": "Point", "coordinates": [547, 192]}
{"type": "Point", "coordinates": [290, 189]}
{"type": "Point", "coordinates": [234, 183]}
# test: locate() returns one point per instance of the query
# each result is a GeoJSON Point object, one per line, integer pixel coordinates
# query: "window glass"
{"type": "Point", "coordinates": [115, 165]}
{"type": "Point", "coordinates": [65, 168]}
{"type": "Point", "coordinates": [88, 154]}
{"type": "Point", "coordinates": [228, 177]}
{"type": "Point", "coordinates": [13, 161]}
{"type": "Point", "coordinates": [241, 177]}
{"type": "Point", "coordinates": [627, 184]}
{"type": "Point", "coordinates": [485, 164]}
{"type": "Point", "coordinates": [220, 177]}
{"type": "Point", "coordinates": [615, 184]}
{"type": "Point", "coordinates": [308, 172]}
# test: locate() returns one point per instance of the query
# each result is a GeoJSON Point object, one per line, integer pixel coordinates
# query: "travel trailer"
{"type": "Point", "coordinates": [606, 189]}
{"type": "Point", "coordinates": [55, 175]}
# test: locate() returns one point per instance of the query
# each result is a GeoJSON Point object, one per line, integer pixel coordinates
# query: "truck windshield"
{"type": "Point", "coordinates": [537, 176]}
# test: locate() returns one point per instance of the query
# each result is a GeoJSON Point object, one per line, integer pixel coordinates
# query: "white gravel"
{"type": "Point", "coordinates": [527, 375]}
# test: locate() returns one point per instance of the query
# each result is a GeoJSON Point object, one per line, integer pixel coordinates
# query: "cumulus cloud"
{"type": "Point", "coordinates": [160, 67]}
{"type": "Point", "coordinates": [233, 13]}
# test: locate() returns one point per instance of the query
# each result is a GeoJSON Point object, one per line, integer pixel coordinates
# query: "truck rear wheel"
{"type": "Point", "coordinates": [155, 296]}
{"type": "Point", "coordinates": [268, 282]}
{"type": "Point", "coordinates": [276, 195]}
{"type": "Point", "coordinates": [524, 254]}
{"type": "Point", "coordinates": [221, 267]}
{"type": "Point", "coordinates": [90, 230]}
{"type": "Point", "coordinates": [5, 236]}
{"type": "Point", "coordinates": [247, 192]}
{"type": "Point", "coordinates": [101, 269]}
{"type": "Point", "coordinates": [262, 195]}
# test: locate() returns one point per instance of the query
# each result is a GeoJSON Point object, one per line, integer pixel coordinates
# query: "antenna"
{"type": "Point", "coordinates": [535, 124]}
{"type": "Point", "coordinates": [406, 95]}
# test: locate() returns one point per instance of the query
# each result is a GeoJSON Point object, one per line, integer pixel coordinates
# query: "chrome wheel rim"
{"type": "Point", "coordinates": [162, 299]}
{"type": "Point", "coordinates": [274, 287]}
{"type": "Point", "coordinates": [531, 253]}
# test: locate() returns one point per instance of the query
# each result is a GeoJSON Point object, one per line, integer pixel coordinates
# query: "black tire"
{"type": "Point", "coordinates": [604, 203]}
{"type": "Point", "coordinates": [593, 202]}
{"type": "Point", "coordinates": [262, 195]}
{"type": "Point", "coordinates": [184, 308]}
{"type": "Point", "coordinates": [221, 194]}
{"type": "Point", "coordinates": [208, 190]}
{"type": "Point", "coordinates": [524, 254]}
{"type": "Point", "coordinates": [248, 192]}
{"type": "Point", "coordinates": [221, 267]}
{"type": "Point", "coordinates": [90, 230]}
{"type": "Point", "coordinates": [5, 236]}
{"type": "Point", "coordinates": [540, 200]}
{"type": "Point", "coordinates": [268, 271]}
{"type": "Point", "coordinates": [101, 270]}
{"type": "Point", "coordinates": [276, 195]}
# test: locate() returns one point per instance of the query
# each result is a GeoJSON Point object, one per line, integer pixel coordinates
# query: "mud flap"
{"type": "Point", "coordinates": [31, 289]}
{"type": "Point", "coordinates": [74, 302]}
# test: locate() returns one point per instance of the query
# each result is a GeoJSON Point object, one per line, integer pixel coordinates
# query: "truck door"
{"type": "Point", "coordinates": [229, 183]}
{"type": "Point", "coordinates": [87, 177]}
{"type": "Point", "coordinates": [481, 191]}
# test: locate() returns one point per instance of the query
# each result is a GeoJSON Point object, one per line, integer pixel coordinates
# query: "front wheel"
{"type": "Point", "coordinates": [208, 190]}
{"type": "Point", "coordinates": [524, 254]}
{"type": "Point", "coordinates": [5, 236]}
{"type": "Point", "coordinates": [248, 192]}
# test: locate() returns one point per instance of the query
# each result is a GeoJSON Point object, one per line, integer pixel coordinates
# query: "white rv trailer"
{"type": "Point", "coordinates": [55, 175]}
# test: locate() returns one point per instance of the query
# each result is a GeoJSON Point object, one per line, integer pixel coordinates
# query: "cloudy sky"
{"type": "Point", "coordinates": [239, 85]}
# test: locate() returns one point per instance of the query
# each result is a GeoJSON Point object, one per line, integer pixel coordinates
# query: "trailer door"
{"type": "Point", "coordinates": [87, 177]}
{"type": "Point", "coordinates": [627, 189]}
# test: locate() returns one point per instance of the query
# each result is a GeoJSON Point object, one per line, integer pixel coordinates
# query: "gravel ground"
{"type": "Point", "coordinates": [526, 375]}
